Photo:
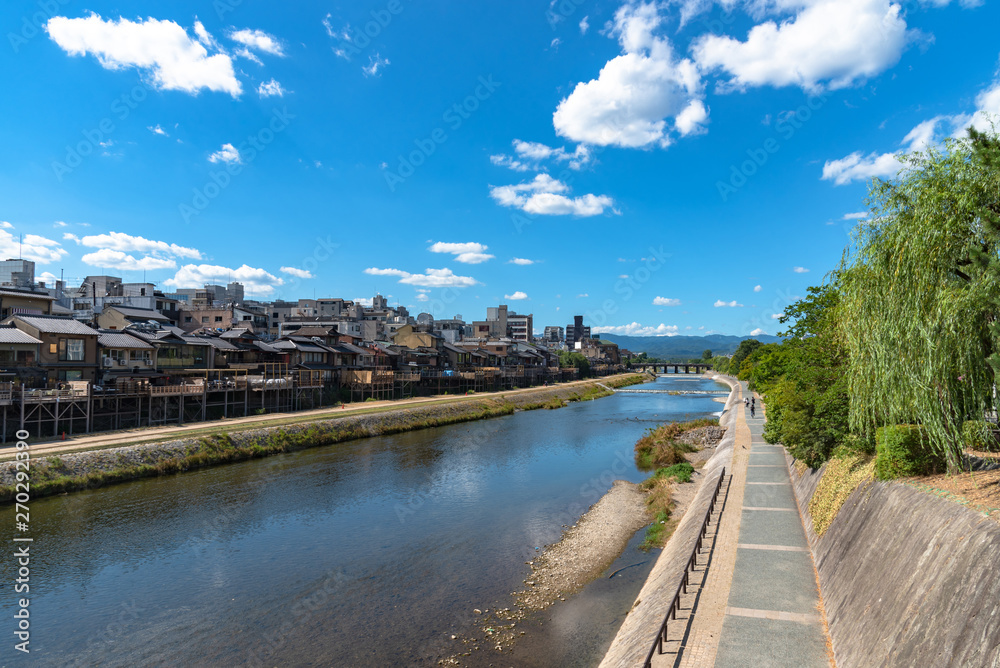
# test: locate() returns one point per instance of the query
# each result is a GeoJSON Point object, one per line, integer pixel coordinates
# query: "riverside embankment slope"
{"type": "Point", "coordinates": [908, 579]}
{"type": "Point", "coordinates": [636, 635]}
{"type": "Point", "coordinates": [105, 459]}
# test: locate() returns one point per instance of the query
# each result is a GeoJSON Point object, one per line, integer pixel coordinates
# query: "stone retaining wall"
{"type": "Point", "coordinates": [908, 579]}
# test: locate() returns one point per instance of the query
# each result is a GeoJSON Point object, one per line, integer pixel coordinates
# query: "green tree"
{"type": "Point", "coordinates": [920, 294]}
{"type": "Point", "coordinates": [707, 355]}
{"type": "Point", "coordinates": [743, 351]}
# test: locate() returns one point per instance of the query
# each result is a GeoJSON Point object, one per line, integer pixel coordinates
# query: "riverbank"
{"type": "Point", "coordinates": [56, 471]}
{"type": "Point", "coordinates": [587, 548]}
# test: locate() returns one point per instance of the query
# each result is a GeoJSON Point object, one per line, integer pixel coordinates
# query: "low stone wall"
{"type": "Point", "coordinates": [908, 579]}
{"type": "Point", "coordinates": [69, 472]}
{"type": "Point", "coordinates": [638, 631]}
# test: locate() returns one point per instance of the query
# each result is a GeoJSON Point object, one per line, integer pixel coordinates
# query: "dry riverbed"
{"type": "Point", "coordinates": [583, 552]}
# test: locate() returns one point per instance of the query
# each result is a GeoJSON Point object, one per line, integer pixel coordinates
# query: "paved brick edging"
{"type": "Point", "coordinates": [638, 631]}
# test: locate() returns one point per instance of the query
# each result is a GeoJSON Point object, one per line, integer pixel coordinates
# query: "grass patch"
{"type": "Point", "coordinates": [844, 473]}
{"type": "Point", "coordinates": [660, 502]}
{"type": "Point", "coordinates": [658, 447]}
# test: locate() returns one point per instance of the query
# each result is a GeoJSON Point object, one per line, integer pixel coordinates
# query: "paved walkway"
{"type": "Point", "coordinates": [760, 603]}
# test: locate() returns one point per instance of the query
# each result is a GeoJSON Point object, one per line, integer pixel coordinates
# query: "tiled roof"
{"type": "Point", "coordinates": [114, 339]}
{"type": "Point", "coordinates": [14, 335]}
{"type": "Point", "coordinates": [31, 295]}
{"type": "Point", "coordinates": [50, 325]}
{"type": "Point", "coordinates": [139, 313]}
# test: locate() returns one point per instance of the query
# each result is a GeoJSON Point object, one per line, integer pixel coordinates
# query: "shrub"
{"type": "Point", "coordinates": [904, 450]}
{"type": "Point", "coordinates": [980, 435]}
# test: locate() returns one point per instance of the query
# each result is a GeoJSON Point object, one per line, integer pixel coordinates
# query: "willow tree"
{"type": "Point", "coordinates": [919, 293]}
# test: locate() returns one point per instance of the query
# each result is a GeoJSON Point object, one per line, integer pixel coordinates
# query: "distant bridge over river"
{"type": "Point", "coordinates": [689, 367]}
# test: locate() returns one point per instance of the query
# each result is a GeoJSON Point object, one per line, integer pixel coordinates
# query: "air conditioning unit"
{"type": "Point", "coordinates": [108, 361]}
{"type": "Point", "coordinates": [122, 362]}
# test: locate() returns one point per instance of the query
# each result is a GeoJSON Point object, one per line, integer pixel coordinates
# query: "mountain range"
{"type": "Point", "coordinates": [684, 347]}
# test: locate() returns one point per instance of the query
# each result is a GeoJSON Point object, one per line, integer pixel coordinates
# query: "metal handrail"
{"type": "Point", "coordinates": [682, 585]}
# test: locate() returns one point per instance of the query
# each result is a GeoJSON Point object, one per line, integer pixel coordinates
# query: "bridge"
{"type": "Point", "coordinates": [698, 367]}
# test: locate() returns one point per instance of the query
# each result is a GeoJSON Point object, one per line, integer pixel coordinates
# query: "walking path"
{"type": "Point", "coordinates": [760, 604]}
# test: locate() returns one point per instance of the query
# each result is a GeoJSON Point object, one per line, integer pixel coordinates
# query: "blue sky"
{"type": "Point", "coordinates": [673, 168]}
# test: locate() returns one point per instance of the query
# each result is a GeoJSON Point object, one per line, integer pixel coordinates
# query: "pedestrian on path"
{"type": "Point", "coordinates": [752, 411]}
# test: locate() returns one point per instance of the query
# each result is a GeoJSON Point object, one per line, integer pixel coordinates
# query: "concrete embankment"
{"type": "Point", "coordinates": [636, 635]}
{"type": "Point", "coordinates": [908, 579]}
{"type": "Point", "coordinates": [227, 443]}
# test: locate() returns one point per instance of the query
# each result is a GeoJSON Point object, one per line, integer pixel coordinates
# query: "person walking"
{"type": "Point", "coordinates": [752, 411]}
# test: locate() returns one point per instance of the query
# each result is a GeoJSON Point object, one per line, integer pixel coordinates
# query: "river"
{"type": "Point", "coordinates": [367, 553]}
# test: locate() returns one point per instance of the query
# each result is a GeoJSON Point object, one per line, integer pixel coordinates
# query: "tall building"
{"type": "Point", "coordinates": [234, 293]}
{"type": "Point", "coordinates": [519, 327]}
{"type": "Point", "coordinates": [577, 331]}
{"type": "Point", "coordinates": [19, 273]}
{"type": "Point", "coordinates": [553, 334]}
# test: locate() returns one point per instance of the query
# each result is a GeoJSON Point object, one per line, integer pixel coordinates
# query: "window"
{"type": "Point", "coordinates": [218, 318]}
{"type": "Point", "coordinates": [204, 318]}
{"type": "Point", "coordinates": [70, 350]}
{"type": "Point", "coordinates": [187, 318]}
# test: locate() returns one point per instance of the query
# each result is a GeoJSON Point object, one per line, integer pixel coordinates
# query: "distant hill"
{"type": "Point", "coordinates": [684, 347]}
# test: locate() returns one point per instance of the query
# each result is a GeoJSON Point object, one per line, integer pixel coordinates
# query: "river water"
{"type": "Point", "coordinates": [367, 553]}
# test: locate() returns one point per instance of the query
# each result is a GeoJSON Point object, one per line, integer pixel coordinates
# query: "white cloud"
{"type": "Point", "coordinates": [517, 296]}
{"type": "Point", "coordinates": [544, 196]}
{"type": "Point", "coordinates": [422, 297]}
{"type": "Point", "coordinates": [554, 44]}
{"type": "Point", "coordinates": [297, 273]}
{"type": "Point", "coordinates": [777, 316]}
{"type": "Point", "coordinates": [733, 304]}
{"type": "Point", "coordinates": [47, 277]}
{"type": "Point", "coordinates": [835, 43]}
{"type": "Point", "coordinates": [636, 329]}
{"type": "Point", "coordinates": [163, 49]}
{"type": "Point", "coordinates": [800, 270]}
{"type": "Point", "coordinates": [32, 247]}
{"type": "Point", "coordinates": [467, 253]}
{"type": "Point", "coordinates": [60, 223]}
{"type": "Point", "coordinates": [629, 102]}
{"type": "Point", "coordinates": [227, 153]}
{"type": "Point", "coordinates": [271, 89]}
{"type": "Point", "coordinates": [531, 155]}
{"type": "Point", "coordinates": [433, 278]}
{"type": "Point", "coordinates": [582, 294]}
{"type": "Point", "coordinates": [757, 288]}
{"type": "Point", "coordinates": [248, 55]}
{"type": "Point", "coordinates": [666, 301]}
{"type": "Point", "coordinates": [258, 40]}
{"type": "Point", "coordinates": [205, 37]}
{"type": "Point", "coordinates": [584, 25]}
{"type": "Point", "coordinates": [376, 63]}
{"type": "Point", "coordinates": [692, 119]}
{"type": "Point", "coordinates": [197, 275]}
{"type": "Point", "coordinates": [521, 261]}
{"type": "Point", "coordinates": [855, 216]}
{"type": "Point", "coordinates": [114, 259]}
{"type": "Point", "coordinates": [757, 332]}
{"type": "Point", "coordinates": [5, 225]}
{"type": "Point", "coordinates": [858, 167]}
{"type": "Point", "coordinates": [157, 130]}
{"type": "Point", "coordinates": [126, 242]}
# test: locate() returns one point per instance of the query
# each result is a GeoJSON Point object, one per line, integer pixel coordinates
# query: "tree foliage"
{"type": "Point", "coordinates": [919, 294]}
